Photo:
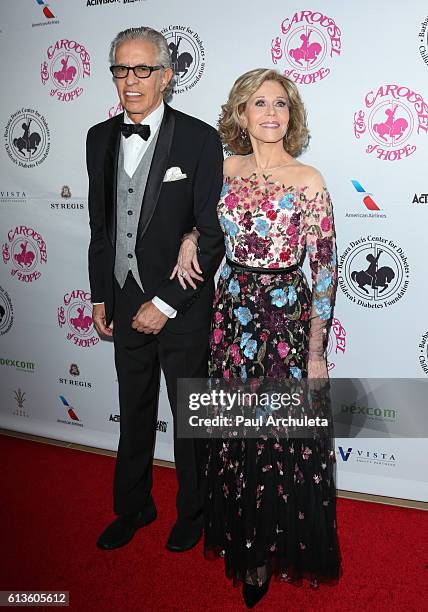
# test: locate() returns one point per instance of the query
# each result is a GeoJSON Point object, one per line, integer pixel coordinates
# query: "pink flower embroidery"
{"type": "Point", "coordinates": [293, 240]}
{"type": "Point", "coordinates": [218, 335]}
{"type": "Point", "coordinates": [234, 349]}
{"type": "Point", "coordinates": [231, 201]}
{"type": "Point", "coordinates": [218, 317]}
{"type": "Point", "coordinates": [266, 205]}
{"type": "Point", "coordinates": [325, 224]}
{"type": "Point", "coordinates": [237, 358]}
{"type": "Point", "coordinates": [283, 349]}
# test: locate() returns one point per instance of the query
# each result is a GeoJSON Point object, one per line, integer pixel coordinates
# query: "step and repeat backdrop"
{"type": "Point", "coordinates": [362, 69]}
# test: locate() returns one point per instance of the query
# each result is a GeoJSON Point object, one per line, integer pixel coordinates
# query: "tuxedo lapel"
{"type": "Point", "coordinates": [157, 170]}
{"type": "Point", "coordinates": [110, 178]}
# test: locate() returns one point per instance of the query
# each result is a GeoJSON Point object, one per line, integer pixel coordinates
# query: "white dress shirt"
{"type": "Point", "coordinates": [134, 148]}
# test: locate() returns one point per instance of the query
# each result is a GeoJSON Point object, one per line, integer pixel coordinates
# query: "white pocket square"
{"type": "Point", "coordinates": [174, 174]}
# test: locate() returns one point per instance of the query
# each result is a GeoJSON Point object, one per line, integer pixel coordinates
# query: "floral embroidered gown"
{"type": "Point", "coordinates": [270, 505]}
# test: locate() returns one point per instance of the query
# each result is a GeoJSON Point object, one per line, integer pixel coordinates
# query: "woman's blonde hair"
{"type": "Point", "coordinates": [297, 136]}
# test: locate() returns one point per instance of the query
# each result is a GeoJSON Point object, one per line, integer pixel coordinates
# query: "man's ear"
{"type": "Point", "coordinates": [168, 73]}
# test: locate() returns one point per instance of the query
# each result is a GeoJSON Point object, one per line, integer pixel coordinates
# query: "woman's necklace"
{"type": "Point", "coordinates": [274, 167]}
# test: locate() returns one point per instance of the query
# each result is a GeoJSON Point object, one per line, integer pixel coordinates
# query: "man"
{"type": "Point", "coordinates": [154, 173]}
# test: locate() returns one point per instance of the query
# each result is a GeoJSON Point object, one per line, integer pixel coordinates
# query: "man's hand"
{"type": "Point", "coordinates": [149, 319]}
{"type": "Point", "coordinates": [99, 319]}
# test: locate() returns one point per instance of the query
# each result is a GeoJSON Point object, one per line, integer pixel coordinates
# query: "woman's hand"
{"type": "Point", "coordinates": [187, 268]}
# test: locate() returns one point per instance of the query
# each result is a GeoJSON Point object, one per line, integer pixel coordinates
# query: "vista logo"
{"type": "Point", "coordinates": [70, 410]}
{"type": "Point", "coordinates": [369, 203]}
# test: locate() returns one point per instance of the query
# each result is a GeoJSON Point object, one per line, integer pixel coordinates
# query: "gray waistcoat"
{"type": "Point", "coordinates": [130, 192]}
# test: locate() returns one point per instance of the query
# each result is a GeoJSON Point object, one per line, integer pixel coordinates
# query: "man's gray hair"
{"type": "Point", "coordinates": [148, 35]}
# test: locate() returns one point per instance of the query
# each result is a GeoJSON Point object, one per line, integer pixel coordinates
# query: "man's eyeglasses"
{"type": "Point", "coordinates": [141, 72]}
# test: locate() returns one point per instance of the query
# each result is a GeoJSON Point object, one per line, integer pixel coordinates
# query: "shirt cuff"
{"type": "Point", "coordinates": [165, 308]}
{"type": "Point", "coordinates": [97, 303]}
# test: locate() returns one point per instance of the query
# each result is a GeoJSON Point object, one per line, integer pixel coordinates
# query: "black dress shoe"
{"type": "Point", "coordinates": [253, 594]}
{"type": "Point", "coordinates": [122, 530]}
{"type": "Point", "coordinates": [184, 535]}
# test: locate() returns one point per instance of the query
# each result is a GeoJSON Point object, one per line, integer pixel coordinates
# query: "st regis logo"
{"type": "Point", "coordinates": [24, 252]}
{"type": "Point", "coordinates": [67, 62]}
{"type": "Point", "coordinates": [391, 118]}
{"type": "Point", "coordinates": [308, 43]}
{"type": "Point", "coordinates": [75, 315]}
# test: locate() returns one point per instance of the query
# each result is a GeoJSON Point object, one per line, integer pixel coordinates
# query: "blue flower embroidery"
{"type": "Point", "coordinates": [296, 372]}
{"type": "Point", "coordinates": [243, 314]}
{"type": "Point", "coordinates": [278, 297]}
{"type": "Point", "coordinates": [287, 201]}
{"type": "Point", "coordinates": [292, 295]}
{"type": "Point", "coordinates": [262, 227]}
{"type": "Point", "coordinates": [228, 226]}
{"type": "Point", "coordinates": [224, 190]}
{"type": "Point", "coordinates": [244, 339]}
{"type": "Point", "coordinates": [225, 273]}
{"type": "Point", "coordinates": [323, 308]}
{"type": "Point", "coordinates": [234, 287]}
{"type": "Point", "coordinates": [244, 375]}
{"type": "Point", "coordinates": [250, 349]}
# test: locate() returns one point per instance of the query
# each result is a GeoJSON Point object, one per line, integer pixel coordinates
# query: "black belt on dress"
{"type": "Point", "coordinates": [235, 264]}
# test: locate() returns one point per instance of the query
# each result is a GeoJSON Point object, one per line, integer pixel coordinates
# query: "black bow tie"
{"type": "Point", "coordinates": [128, 129]}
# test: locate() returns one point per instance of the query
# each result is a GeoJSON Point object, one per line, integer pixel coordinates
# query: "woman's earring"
{"type": "Point", "coordinates": [243, 133]}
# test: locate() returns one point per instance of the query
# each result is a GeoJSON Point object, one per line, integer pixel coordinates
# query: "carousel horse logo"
{"type": "Point", "coordinates": [307, 54]}
{"type": "Point", "coordinates": [6, 312]}
{"type": "Point", "coordinates": [27, 138]}
{"type": "Point", "coordinates": [66, 63]}
{"type": "Point", "coordinates": [24, 252]}
{"type": "Point", "coordinates": [374, 272]}
{"type": "Point", "coordinates": [306, 47]}
{"type": "Point", "coordinates": [373, 277]}
{"type": "Point", "coordinates": [187, 56]}
{"type": "Point", "coordinates": [75, 315]}
{"type": "Point", "coordinates": [28, 142]}
{"type": "Point", "coordinates": [391, 117]}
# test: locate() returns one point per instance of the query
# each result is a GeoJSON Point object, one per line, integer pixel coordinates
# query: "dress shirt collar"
{"type": "Point", "coordinates": [153, 120]}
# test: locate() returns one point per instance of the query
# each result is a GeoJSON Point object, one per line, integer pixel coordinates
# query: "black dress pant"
{"type": "Point", "coordinates": [139, 358]}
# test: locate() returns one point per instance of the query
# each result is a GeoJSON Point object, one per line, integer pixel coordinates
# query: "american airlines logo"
{"type": "Point", "coordinates": [368, 200]}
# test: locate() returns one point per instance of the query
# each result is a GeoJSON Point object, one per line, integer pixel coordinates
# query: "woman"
{"type": "Point", "coordinates": [270, 503]}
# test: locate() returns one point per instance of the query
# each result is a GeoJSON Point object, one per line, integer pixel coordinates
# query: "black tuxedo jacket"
{"type": "Point", "coordinates": [169, 210]}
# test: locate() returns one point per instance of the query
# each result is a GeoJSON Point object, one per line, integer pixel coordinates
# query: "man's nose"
{"type": "Point", "coordinates": [131, 79]}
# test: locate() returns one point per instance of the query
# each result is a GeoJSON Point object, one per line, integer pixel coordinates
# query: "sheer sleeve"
{"type": "Point", "coordinates": [321, 249]}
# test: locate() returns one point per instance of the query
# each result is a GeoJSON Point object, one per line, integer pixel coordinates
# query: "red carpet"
{"type": "Point", "coordinates": [55, 501]}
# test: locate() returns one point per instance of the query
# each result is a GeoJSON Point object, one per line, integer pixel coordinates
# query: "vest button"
{"type": "Point", "coordinates": [130, 190]}
{"type": "Point", "coordinates": [129, 212]}
{"type": "Point", "coordinates": [130, 255]}
{"type": "Point", "coordinates": [129, 235]}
